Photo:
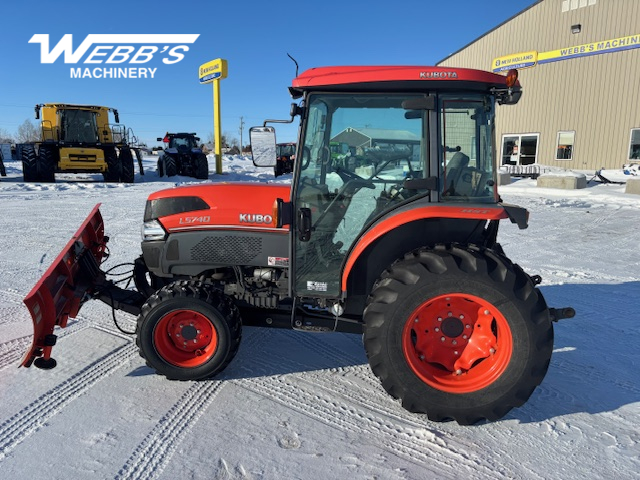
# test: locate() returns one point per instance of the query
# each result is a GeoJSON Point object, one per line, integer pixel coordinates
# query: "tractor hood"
{"type": "Point", "coordinates": [237, 205]}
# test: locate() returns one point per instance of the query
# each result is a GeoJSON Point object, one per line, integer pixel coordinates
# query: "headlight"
{"type": "Point", "coordinates": [152, 230]}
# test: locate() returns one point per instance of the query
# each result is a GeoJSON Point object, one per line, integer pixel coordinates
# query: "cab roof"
{"type": "Point", "coordinates": [394, 78]}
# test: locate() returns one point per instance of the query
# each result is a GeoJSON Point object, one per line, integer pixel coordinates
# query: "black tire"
{"type": "Point", "coordinates": [160, 168]}
{"type": "Point", "coordinates": [170, 166]}
{"type": "Point", "coordinates": [29, 164]}
{"type": "Point", "coordinates": [112, 175]}
{"type": "Point", "coordinates": [127, 169]}
{"type": "Point", "coordinates": [164, 337]}
{"type": "Point", "coordinates": [418, 340]}
{"type": "Point", "coordinates": [47, 161]}
{"type": "Point", "coordinates": [277, 170]}
{"type": "Point", "coordinates": [202, 167]}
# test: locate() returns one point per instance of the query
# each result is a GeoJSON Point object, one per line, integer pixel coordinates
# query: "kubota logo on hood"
{"type": "Point", "coordinates": [255, 218]}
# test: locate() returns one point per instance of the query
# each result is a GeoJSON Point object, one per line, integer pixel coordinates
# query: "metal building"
{"type": "Point", "coordinates": [579, 66]}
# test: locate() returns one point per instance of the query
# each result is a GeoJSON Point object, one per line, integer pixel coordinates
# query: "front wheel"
{"type": "Point", "coordinates": [188, 331]}
{"type": "Point", "coordinates": [458, 333]}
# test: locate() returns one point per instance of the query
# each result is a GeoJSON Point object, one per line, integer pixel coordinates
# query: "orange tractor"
{"type": "Point", "coordinates": [398, 241]}
{"type": "Point", "coordinates": [285, 156]}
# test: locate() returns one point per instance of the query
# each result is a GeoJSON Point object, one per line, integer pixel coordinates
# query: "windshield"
{"type": "Point", "coordinates": [182, 143]}
{"type": "Point", "coordinates": [285, 150]}
{"type": "Point", "coordinates": [79, 126]}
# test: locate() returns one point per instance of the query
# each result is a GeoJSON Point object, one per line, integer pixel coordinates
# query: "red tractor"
{"type": "Point", "coordinates": [285, 156]}
{"type": "Point", "coordinates": [397, 240]}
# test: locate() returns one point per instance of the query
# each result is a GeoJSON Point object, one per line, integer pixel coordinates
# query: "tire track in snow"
{"type": "Point", "coordinates": [150, 457]}
{"type": "Point", "coordinates": [28, 420]}
{"type": "Point", "coordinates": [419, 445]}
{"type": "Point", "coordinates": [331, 398]}
{"type": "Point", "coordinates": [13, 351]}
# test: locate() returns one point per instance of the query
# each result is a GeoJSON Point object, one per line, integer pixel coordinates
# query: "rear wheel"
{"type": "Point", "coordinates": [188, 331]}
{"type": "Point", "coordinates": [170, 166]}
{"type": "Point", "coordinates": [127, 171]}
{"type": "Point", "coordinates": [458, 333]}
{"type": "Point", "coordinates": [202, 167]}
{"type": "Point", "coordinates": [29, 164]}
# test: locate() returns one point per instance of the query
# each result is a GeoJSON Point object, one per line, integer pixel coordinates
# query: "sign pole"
{"type": "Point", "coordinates": [217, 125]}
{"type": "Point", "coordinates": [213, 72]}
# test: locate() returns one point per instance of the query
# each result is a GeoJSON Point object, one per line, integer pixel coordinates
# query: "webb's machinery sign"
{"type": "Point", "coordinates": [121, 53]}
{"type": "Point", "coordinates": [530, 59]}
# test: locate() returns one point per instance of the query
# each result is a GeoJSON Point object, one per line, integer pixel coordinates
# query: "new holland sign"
{"type": "Point", "coordinates": [213, 70]}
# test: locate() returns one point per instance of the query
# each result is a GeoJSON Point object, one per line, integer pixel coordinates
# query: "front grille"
{"type": "Point", "coordinates": [229, 249]}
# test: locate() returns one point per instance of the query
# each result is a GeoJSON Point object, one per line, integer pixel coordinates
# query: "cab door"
{"type": "Point", "coordinates": [338, 193]}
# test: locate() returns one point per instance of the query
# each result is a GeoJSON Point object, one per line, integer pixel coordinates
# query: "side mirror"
{"type": "Point", "coordinates": [263, 146]}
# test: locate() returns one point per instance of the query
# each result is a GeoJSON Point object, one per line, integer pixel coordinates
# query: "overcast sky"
{"type": "Point", "coordinates": [254, 37]}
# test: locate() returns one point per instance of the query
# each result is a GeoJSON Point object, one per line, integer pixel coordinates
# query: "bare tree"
{"type": "Point", "coordinates": [223, 139]}
{"type": "Point", "coordinates": [28, 132]}
{"type": "Point", "coordinates": [5, 137]}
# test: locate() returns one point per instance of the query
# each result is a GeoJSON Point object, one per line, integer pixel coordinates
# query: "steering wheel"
{"type": "Point", "coordinates": [349, 177]}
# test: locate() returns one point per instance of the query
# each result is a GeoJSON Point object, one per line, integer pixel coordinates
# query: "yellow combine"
{"type": "Point", "coordinates": [80, 139]}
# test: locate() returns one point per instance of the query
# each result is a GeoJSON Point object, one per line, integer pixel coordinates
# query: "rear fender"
{"type": "Point", "coordinates": [395, 221]}
{"type": "Point", "coordinates": [67, 283]}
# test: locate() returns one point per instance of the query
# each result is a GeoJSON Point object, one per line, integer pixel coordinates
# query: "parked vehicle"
{"type": "Point", "coordinates": [80, 139]}
{"type": "Point", "coordinates": [182, 155]}
{"type": "Point", "coordinates": [285, 156]}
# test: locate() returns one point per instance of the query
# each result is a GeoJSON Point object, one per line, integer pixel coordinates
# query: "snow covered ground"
{"type": "Point", "coordinates": [299, 406]}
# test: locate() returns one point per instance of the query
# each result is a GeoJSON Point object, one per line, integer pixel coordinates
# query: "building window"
{"type": "Point", "coordinates": [565, 145]}
{"type": "Point", "coordinates": [634, 144]}
{"type": "Point", "coordinates": [519, 149]}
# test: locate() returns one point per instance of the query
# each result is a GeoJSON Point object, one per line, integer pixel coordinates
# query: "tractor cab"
{"type": "Point", "coordinates": [369, 152]}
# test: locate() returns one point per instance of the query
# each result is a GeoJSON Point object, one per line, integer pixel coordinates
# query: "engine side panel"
{"type": "Point", "coordinates": [192, 253]}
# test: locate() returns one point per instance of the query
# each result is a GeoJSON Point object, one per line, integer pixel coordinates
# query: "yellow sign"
{"type": "Point", "coordinates": [213, 70]}
{"type": "Point", "coordinates": [515, 60]}
{"type": "Point", "coordinates": [530, 59]}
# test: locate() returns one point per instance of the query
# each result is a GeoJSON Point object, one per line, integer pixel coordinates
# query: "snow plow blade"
{"type": "Point", "coordinates": [64, 287]}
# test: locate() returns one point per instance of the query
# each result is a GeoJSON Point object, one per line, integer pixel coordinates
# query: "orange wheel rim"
{"type": "Point", "coordinates": [185, 338]}
{"type": "Point", "coordinates": [457, 343]}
